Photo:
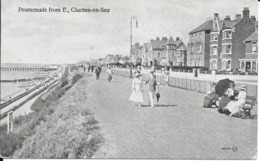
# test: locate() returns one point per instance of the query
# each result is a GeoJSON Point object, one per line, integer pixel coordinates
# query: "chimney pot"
{"type": "Point", "coordinates": [227, 18]}
{"type": "Point", "coordinates": [253, 18]}
{"type": "Point", "coordinates": [246, 12]}
{"type": "Point", "coordinates": [238, 16]}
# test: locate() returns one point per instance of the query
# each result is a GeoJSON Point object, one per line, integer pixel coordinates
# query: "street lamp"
{"type": "Point", "coordinates": [132, 18]}
{"type": "Point", "coordinates": [90, 56]}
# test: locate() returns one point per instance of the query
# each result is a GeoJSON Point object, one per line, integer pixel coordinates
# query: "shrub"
{"type": "Point", "coordinates": [9, 143]}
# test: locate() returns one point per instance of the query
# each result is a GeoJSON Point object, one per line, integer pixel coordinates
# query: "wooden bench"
{"type": "Point", "coordinates": [250, 103]}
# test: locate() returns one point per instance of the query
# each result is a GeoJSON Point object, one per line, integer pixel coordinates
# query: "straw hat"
{"type": "Point", "coordinates": [242, 87]}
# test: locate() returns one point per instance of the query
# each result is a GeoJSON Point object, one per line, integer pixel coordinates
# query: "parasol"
{"type": "Point", "coordinates": [222, 86]}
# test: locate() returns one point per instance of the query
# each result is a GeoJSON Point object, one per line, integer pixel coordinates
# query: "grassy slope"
{"type": "Point", "coordinates": [71, 131]}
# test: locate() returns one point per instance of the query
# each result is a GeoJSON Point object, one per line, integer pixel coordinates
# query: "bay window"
{"type": "Point", "coordinates": [227, 34]}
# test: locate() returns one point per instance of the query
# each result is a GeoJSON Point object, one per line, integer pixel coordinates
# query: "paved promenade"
{"type": "Point", "coordinates": [177, 128]}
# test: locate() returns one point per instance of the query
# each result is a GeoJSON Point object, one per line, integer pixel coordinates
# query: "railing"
{"type": "Point", "coordinates": [188, 82]}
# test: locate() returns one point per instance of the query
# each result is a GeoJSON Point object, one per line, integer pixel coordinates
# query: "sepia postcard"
{"type": "Point", "coordinates": [129, 79]}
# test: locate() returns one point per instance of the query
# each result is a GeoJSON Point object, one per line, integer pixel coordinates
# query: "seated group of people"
{"type": "Point", "coordinates": [226, 97]}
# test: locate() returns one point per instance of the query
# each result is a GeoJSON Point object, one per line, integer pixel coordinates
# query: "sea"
{"type": "Point", "coordinates": [9, 87]}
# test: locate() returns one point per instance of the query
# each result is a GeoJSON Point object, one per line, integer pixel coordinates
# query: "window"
{"type": "Point", "coordinates": [214, 64]}
{"type": "Point", "coordinates": [191, 48]}
{"type": "Point", "coordinates": [159, 54]}
{"type": "Point", "coordinates": [214, 37]}
{"type": "Point", "coordinates": [254, 65]}
{"type": "Point", "coordinates": [214, 50]}
{"type": "Point", "coordinates": [199, 48]}
{"type": "Point", "coordinates": [228, 67]}
{"type": "Point", "coordinates": [227, 35]}
{"type": "Point", "coordinates": [226, 49]}
{"type": "Point", "coordinates": [254, 47]}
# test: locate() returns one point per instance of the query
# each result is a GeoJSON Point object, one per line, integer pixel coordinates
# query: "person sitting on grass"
{"type": "Point", "coordinates": [210, 97]}
{"type": "Point", "coordinates": [236, 105]}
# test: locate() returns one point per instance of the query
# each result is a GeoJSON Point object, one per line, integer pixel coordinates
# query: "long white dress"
{"type": "Point", "coordinates": [235, 106]}
{"type": "Point", "coordinates": [136, 95]}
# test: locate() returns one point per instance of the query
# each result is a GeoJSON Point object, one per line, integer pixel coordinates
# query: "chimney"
{"type": "Point", "coordinates": [157, 38]}
{"type": "Point", "coordinates": [253, 18]}
{"type": "Point", "coordinates": [246, 12]}
{"type": "Point", "coordinates": [215, 19]}
{"type": "Point", "coordinates": [227, 18]}
{"type": "Point", "coordinates": [238, 16]}
{"type": "Point", "coordinates": [164, 38]}
{"type": "Point", "coordinates": [216, 16]}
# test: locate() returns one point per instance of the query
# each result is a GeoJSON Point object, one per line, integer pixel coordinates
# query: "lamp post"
{"type": "Point", "coordinates": [132, 18]}
{"type": "Point", "coordinates": [90, 56]}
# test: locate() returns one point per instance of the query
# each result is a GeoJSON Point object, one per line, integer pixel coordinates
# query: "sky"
{"type": "Point", "coordinates": [61, 37]}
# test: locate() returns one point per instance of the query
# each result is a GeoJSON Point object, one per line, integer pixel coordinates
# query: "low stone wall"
{"type": "Point", "coordinates": [193, 84]}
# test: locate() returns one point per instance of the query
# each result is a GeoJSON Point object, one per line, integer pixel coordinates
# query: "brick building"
{"type": "Point", "coordinates": [198, 45]}
{"type": "Point", "coordinates": [249, 62]}
{"type": "Point", "coordinates": [218, 44]}
{"type": "Point", "coordinates": [226, 43]}
{"type": "Point", "coordinates": [165, 52]}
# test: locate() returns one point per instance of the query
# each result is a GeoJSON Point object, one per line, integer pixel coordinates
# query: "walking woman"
{"type": "Point", "coordinates": [137, 90]}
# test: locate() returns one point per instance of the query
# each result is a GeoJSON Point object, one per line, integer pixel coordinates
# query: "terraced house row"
{"type": "Point", "coordinates": [225, 44]}
{"type": "Point", "coordinates": [162, 51]}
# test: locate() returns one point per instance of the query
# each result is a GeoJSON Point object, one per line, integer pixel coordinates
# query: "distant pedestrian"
{"type": "Point", "coordinates": [152, 87]}
{"type": "Point", "coordinates": [92, 69]}
{"type": "Point", "coordinates": [110, 73]}
{"type": "Point", "coordinates": [166, 77]}
{"type": "Point", "coordinates": [97, 71]}
{"type": "Point", "coordinates": [89, 68]}
{"type": "Point", "coordinates": [137, 90]}
{"type": "Point", "coordinates": [84, 68]}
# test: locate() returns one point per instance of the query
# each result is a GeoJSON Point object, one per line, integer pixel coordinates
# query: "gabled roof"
{"type": "Point", "coordinates": [229, 24]}
{"type": "Point", "coordinates": [208, 25]}
{"type": "Point", "coordinates": [157, 44]}
{"type": "Point", "coordinates": [252, 37]}
{"type": "Point", "coordinates": [220, 23]}
{"type": "Point", "coordinates": [170, 41]}
{"type": "Point", "coordinates": [184, 46]}
{"type": "Point", "coordinates": [177, 43]}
